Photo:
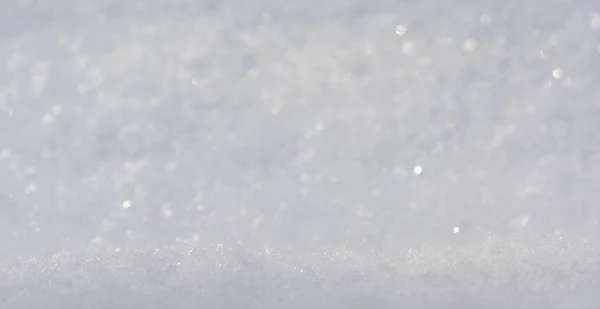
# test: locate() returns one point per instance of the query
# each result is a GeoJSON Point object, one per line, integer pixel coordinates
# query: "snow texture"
{"type": "Point", "coordinates": [299, 154]}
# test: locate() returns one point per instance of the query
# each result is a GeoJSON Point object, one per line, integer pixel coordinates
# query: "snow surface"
{"type": "Point", "coordinates": [305, 154]}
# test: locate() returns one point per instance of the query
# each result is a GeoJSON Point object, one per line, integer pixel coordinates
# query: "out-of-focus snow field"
{"type": "Point", "coordinates": [308, 154]}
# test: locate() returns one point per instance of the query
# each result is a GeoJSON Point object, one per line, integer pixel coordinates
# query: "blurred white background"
{"type": "Point", "coordinates": [263, 154]}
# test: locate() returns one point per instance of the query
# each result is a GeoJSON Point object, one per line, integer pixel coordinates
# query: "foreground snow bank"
{"type": "Point", "coordinates": [548, 274]}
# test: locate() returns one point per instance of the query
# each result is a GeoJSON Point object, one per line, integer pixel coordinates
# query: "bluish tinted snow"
{"type": "Point", "coordinates": [309, 154]}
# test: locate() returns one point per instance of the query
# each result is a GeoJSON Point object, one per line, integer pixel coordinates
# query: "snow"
{"type": "Point", "coordinates": [546, 274]}
{"type": "Point", "coordinates": [332, 154]}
